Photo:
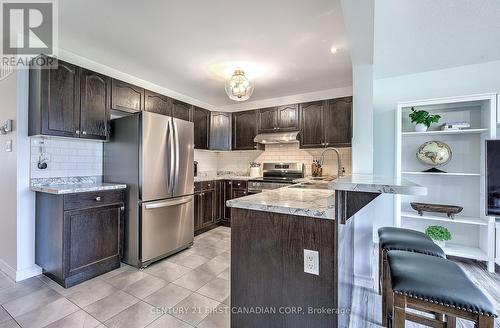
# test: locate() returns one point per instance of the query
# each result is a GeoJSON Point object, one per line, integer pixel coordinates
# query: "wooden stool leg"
{"type": "Point", "coordinates": [451, 321]}
{"type": "Point", "coordinates": [485, 322]}
{"type": "Point", "coordinates": [399, 311]}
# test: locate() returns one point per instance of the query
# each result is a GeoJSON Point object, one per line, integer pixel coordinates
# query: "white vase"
{"type": "Point", "coordinates": [420, 127]}
{"type": "Point", "coordinates": [440, 243]}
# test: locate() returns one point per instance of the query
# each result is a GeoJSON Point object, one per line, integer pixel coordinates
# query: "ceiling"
{"type": "Point", "coordinates": [416, 36]}
{"type": "Point", "coordinates": [184, 46]}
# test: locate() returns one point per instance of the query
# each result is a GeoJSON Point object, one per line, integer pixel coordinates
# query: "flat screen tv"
{"type": "Point", "coordinates": [493, 177]}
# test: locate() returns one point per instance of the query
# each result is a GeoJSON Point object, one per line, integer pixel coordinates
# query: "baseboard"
{"type": "Point", "coordinates": [32, 271]}
{"type": "Point", "coordinates": [8, 270]}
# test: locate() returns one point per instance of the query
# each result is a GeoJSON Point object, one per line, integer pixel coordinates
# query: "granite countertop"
{"type": "Point", "coordinates": [223, 177]}
{"type": "Point", "coordinates": [372, 183]}
{"type": "Point", "coordinates": [316, 203]}
{"type": "Point", "coordinates": [61, 189]}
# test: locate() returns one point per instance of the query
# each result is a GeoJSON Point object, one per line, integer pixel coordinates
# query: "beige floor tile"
{"type": "Point", "coordinates": [111, 305]}
{"type": "Point", "coordinates": [194, 308]}
{"type": "Point", "coordinates": [47, 314]}
{"type": "Point", "coordinates": [20, 289]}
{"type": "Point", "coordinates": [145, 287]}
{"type": "Point", "coordinates": [79, 319]}
{"type": "Point", "coordinates": [5, 281]}
{"type": "Point", "coordinates": [9, 324]}
{"type": "Point", "coordinates": [168, 296]}
{"type": "Point", "coordinates": [89, 293]}
{"type": "Point", "coordinates": [214, 266]}
{"type": "Point", "coordinates": [208, 252]}
{"type": "Point", "coordinates": [124, 267]}
{"type": "Point", "coordinates": [194, 280]}
{"type": "Point", "coordinates": [4, 315]}
{"type": "Point", "coordinates": [227, 301]}
{"type": "Point", "coordinates": [167, 271]}
{"type": "Point", "coordinates": [31, 301]}
{"type": "Point", "coordinates": [125, 279]}
{"type": "Point", "coordinates": [191, 261]}
{"type": "Point", "coordinates": [226, 274]}
{"type": "Point", "coordinates": [220, 318]}
{"type": "Point", "coordinates": [168, 321]}
{"type": "Point", "coordinates": [217, 289]}
{"type": "Point", "coordinates": [137, 316]}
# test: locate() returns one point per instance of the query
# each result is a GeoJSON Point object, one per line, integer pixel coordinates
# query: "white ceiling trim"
{"type": "Point", "coordinates": [286, 100]}
{"type": "Point", "coordinates": [114, 73]}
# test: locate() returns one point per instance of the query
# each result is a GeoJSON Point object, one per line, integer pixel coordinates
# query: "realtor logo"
{"type": "Point", "coordinates": [27, 28]}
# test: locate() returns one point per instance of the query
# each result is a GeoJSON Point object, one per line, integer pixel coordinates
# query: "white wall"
{"type": "Point", "coordinates": [8, 182]}
{"type": "Point", "coordinates": [464, 80]}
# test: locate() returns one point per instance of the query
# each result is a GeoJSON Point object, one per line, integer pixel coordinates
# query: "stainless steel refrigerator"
{"type": "Point", "coordinates": [153, 154]}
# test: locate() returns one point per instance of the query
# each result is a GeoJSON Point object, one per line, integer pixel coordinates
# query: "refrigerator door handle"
{"type": "Point", "coordinates": [177, 159]}
{"type": "Point", "coordinates": [171, 155]}
{"type": "Point", "coordinates": [168, 203]}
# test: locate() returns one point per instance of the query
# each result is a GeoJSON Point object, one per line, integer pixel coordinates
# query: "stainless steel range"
{"type": "Point", "coordinates": [276, 175]}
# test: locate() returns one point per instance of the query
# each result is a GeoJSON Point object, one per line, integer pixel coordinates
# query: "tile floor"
{"type": "Point", "coordinates": [190, 289]}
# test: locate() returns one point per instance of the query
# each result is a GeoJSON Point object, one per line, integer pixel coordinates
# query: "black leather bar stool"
{"type": "Point", "coordinates": [434, 285]}
{"type": "Point", "coordinates": [391, 238]}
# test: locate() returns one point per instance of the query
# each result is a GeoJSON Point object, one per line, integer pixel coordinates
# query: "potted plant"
{"type": "Point", "coordinates": [422, 119]}
{"type": "Point", "coordinates": [438, 234]}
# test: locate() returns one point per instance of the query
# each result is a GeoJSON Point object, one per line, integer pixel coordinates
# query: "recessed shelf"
{"type": "Point", "coordinates": [457, 219]}
{"type": "Point", "coordinates": [442, 173]}
{"type": "Point", "coordinates": [446, 132]}
{"type": "Point", "coordinates": [469, 252]}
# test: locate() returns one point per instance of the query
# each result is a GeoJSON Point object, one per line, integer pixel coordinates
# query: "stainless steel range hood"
{"type": "Point", "coordinates": [276, 138]}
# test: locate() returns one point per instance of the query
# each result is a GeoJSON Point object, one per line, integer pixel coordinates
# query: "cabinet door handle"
{"type": "Point", "coordinates": [77, 131]}
{"type": "Point", "coordinates": [122, 208]}
{"type": "Point", "coordinates": [98, 199]}
{"type": "Point", "coordinates": [84, 132]}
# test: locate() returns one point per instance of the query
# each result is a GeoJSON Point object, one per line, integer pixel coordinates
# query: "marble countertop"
{"type": "Point", "coordinates": [61, 189]}
{"type": "Point", "coordinates": [371, 183]}
{"type": "Point", "coordinates": [223, 177]}
{"type": "Point", "coordinates": [316, 203]}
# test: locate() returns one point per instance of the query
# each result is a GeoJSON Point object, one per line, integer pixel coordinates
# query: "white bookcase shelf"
{"type": "Point", "coordinates": [445, 132]}
{"type": "Point", "coordinates": [463, 183]}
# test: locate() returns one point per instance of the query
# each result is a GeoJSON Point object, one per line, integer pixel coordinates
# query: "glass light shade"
{"type": "Point", "coordinates": [239, 87]}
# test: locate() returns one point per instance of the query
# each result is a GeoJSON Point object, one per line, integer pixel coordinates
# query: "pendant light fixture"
{"type": "Point", "coordinates": [239, 87]}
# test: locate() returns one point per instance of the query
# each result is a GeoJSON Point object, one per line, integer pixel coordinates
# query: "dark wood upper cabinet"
{"type": "Point", "coordinates": [245, 127]}
{"type": "Point", "coordinates": [157, 103]}
{"type": "Point", "coordinates": [288, 117]}
{"type": "Point", "coordinates": [126, 97]}
{"type": "Point", "coordinates": [279, 119]}
{"type": "Point", "coordinates": [311, 129]}
{"type": "Point", "coordinates": [54, 100]}
{"type": "Point", "coordinates": [201, 119]}
{"type": "Point", "coordinates": [326, 123]}
{"type": "Point", "coordinates": [268, 120]}
{"type": "Point", "coordinates": [180, 110]}
{"type": "Point", "coordinates": [338, 122]}
{"type": "Point", "coordinates": [220, 131]}
{"type": "Point", "coordinates": [95, 102]}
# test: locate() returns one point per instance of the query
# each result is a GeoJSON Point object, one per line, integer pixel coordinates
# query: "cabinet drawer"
{"type": "Point", "coordinates": [208, 185]}
{"type": "Point", "coordinates": [92, 199]}
{"type": "Point", "coordinates": [239, 184]}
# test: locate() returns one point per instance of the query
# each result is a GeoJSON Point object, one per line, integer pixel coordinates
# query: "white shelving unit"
{"type": "Point", "coordinates": [462, 184]}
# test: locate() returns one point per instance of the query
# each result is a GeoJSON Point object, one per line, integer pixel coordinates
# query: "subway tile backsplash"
{"type": "Point", "coordinates": [66, 157]}
{"type": "Point", "coordinates": [238, 161]}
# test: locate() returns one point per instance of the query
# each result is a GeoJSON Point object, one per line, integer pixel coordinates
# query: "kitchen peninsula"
{"type": "Point", "coordinates": [271, 232]}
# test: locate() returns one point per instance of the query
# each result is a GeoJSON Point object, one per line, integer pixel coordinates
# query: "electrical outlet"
{"type": "Point", "coordinates": [311, 262]}
{"type": "Point", "coordinates": [8, 146]}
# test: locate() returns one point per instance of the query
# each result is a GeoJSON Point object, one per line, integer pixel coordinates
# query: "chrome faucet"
{"type": "Point", "coordinates": [339, 167]}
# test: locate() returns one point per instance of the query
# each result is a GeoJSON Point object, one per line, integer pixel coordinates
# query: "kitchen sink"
{"type": "Point", "coordinates": [310, 185]}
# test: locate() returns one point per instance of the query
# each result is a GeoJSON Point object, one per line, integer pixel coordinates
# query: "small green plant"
{"type": "Point", "coordinates": [438, 233]}
{"type": "Point", "coordinates": [423, 117]}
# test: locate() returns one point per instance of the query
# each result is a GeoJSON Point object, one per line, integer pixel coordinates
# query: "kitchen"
{"type": "Point", "coordinates": [232, 179]}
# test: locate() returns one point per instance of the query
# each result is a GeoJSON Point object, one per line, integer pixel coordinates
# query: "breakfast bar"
{"type": "Point", "coordinates": [292, 256]}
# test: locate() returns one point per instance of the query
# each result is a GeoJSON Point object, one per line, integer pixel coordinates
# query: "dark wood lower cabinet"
{"type": "Point", "coordinates": [76, 238]}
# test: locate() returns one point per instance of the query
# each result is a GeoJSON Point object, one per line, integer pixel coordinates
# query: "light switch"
{"type": "Point", "coordinates": [8, 146]}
